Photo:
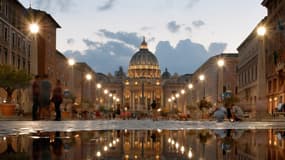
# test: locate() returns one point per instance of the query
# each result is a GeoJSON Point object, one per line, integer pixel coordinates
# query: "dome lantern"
{"type": "Point", "coordinates": [144, 64]}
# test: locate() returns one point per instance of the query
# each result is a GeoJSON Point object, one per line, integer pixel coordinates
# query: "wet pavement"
{"type": "Point", "coordinates": [25, 127]}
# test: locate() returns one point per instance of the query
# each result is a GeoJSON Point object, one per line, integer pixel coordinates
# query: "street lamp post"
{"type": "Point", "coordinates": [71, 63]}
{"type": "Point", "coordinates": [220, 64]}
{"type": "Point", "coordinates": [98, 88]}
{"type": "Point", "coordinates": [202, 79]}
{"type": "Point", "coordinates": [261, 82]}
{"type": "Point", "coordinates": [34, 30]}
{"type": "Point", "coordinates": [183, 100]}
{"type": "Point", "coordinates": [190, 86]}
{"type": "Point", "coordinates": [87, 77]}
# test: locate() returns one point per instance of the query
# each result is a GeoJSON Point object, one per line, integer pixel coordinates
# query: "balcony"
{"type": "Point", "coordinates": [280, 68]}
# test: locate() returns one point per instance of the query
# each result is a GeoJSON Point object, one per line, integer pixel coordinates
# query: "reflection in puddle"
{"type": "Point", "coordinates": [149, 144]}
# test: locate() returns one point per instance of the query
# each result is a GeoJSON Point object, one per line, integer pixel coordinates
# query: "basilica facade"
{"type": "Point", "coordinates": [142, 85]}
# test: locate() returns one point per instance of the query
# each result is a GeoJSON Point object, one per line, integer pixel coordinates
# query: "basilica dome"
{"type": "Point", "coordinates": [144, 64]}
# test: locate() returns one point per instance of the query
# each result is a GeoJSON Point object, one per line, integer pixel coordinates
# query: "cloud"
{"type": "Point", "coordinates": [188, 29]}
{"type": "Point", "coordinates": [91, 44]}
{"type": "Point", "coordinates": [192, 3]}
{"type": "Point", "coordinates": [173, 27]}
{"type": "Point", "coordinates": [146, 28]}
{"type": "Point", "coordinates": [130, 38]}
{"type": "Point", "coordinates": [185, 57]}
{"type": "Point", "coordinates": [118, 49]}
{"type": "Point", "coordinates": [109, 4]}
{"type": "Point", "coordinates": [103, 57]}
{"type": "Point", "coordinates": [54, 5]}
{"type": "Point", "coordinates": [217, 48]}
{"type": "Point", "coordinates": [70, 41]}
{"type": "Point", "coordinates": [198, 23]}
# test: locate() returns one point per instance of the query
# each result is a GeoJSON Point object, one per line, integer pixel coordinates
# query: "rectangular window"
{"type": "Point", "coordinates": [5, 34]}
{"type": "Point", "coordinates": [13, 58]}
{"type": "Point", "coordinates": [1, 56]}
{"type": "Point", "coordinates": [6, 9]}
{"type": "Point", "coordinates": [1, 5]}
{"type": "Point", "coordinates": [19, 62]}
{"type": "Point", "coordinates": [6, 55]}
{"type": "Point", "coordinates": [19, 42]}
{"type": "Point", "coordinates": [29, 67]}
{"type": "Point", "coordinates": [29, 51]}
{"type": "Point", "coordinates": [269, 86]}
{"type": "Point", "coordinates": [24, 64]}
{"type": "Point", "coordinates": [13, 40]}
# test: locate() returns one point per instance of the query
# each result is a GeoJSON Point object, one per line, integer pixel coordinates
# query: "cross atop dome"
{"type": "Point", "coordinates": [143, 44]}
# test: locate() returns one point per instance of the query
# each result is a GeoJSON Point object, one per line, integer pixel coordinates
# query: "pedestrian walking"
{"type": "Point", "coordinates": [154, 112]}
{"type": "Point", "coordinates": [35, 93]}
{"type": "Point", "coordinates": [57, 95]}
{"type": "Point", "coordinates": [44, 97]}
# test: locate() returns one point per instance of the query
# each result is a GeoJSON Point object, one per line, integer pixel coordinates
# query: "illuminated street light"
{"type": "Point", "coordinates": [99, 86]}
{"type": "Point", "coordinates": [71, 62]}
{"type": "Point", "coordinates": [98, 154]}
{"type": "Point", "coordinates": [182, 91]}
{"type": "Point", "coordinates": [190, 154]}
{"type": "Point", "coordinates": [105, 148]}
{"type": "Point", "coordinates": [202, 77]}
{"type": "Point", "coordinates": [261, 31]}
{"type": "Point", "coordinates": [88, 77]}
{"type": "Point", "coordinates": [221, 62]}
{"type": "Point", "coordinates": [182, 149]}
{"type": "Point", "coordinates": [177, 95]}
{"type": "Point", "coordinates": [190, 86]}
{"type": "Point", "coordinates": [106, 91]}
{"type": "Point", "coordinates": [34, 28]}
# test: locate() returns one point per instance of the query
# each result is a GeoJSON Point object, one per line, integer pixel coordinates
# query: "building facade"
{"type": "Point", "coordinates": [84, 88]}
{"type": "Point", "coordinates": [248, 71]}
{"type": "Point", "coordinates": [217, 80]}
{"type": "Point", "coordinates": [45, 43]}
{"type": "Point", "coordinates": [274, 41]}
{"type": "Point", "coordinates": [15, 43]}
{"type": "Point", "coordinates": [143, 84]}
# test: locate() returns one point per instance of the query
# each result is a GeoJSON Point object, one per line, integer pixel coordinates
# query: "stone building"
{"type": "Point", "coordinates": [84, 83]}
{"type": "Point", "coordinates": [15, 43]}
{"type": "Point", "coordinates": [216, 80]}
{"type": "Point", "coordinates": [274, 49]}
{"type": "Point", "coordinates": [45, 43]}
{"type": "Point", "coordinates": [247, 71]}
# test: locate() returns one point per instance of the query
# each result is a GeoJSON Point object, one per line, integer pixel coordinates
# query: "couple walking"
{"type": "Point", "coordinates": [41, 89]}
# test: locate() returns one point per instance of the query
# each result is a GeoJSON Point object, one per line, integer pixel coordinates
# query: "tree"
{"type": "Point", "coordinates": [12, 79]}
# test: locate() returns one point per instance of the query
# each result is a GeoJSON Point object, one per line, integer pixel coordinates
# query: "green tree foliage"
{"type": "Point", "coordinates": [12, 79]}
